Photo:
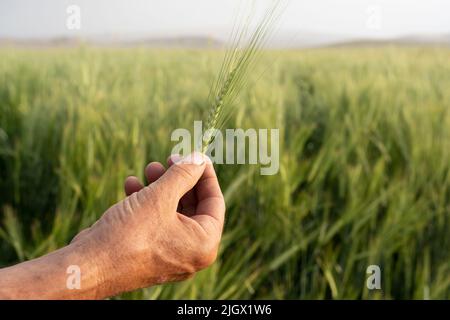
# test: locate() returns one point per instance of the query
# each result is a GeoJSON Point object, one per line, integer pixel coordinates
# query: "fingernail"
{"type": "Point", "coordinates": [196, 158]}
{"type": "Point", "coordinates": [175, 158]}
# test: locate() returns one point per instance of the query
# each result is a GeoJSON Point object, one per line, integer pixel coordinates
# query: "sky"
{"type": "Point", "coordinates": [163, 18]}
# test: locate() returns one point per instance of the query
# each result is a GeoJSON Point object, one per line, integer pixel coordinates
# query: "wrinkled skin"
{"type": "Point", "coordinates": [163, 232]}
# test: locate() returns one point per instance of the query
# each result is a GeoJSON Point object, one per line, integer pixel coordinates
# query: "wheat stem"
{"type": "Point", "coordinates": [234, 68]}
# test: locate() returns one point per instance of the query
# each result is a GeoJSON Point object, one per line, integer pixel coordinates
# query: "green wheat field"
{"type": "Point", "coordinates": [364, 162]}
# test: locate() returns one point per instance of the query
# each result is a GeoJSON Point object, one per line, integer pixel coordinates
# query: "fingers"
{"type": "Point", "coordinates": [172, 159]}
{"type": "Point", "coordinates": [206, 200]}
{"type": "Point", "coordinates": [210, 198]}
{"type": "Point", "coordinates": [193, 182]}
{"type": "Point", "coordinates": [183, 176]}
{"type": "Point", "coordinates": [188, 203]}
{"type": "Point", "coordinates": [132, 185]}
{"type": "Point", "coordinates": [154, 171]}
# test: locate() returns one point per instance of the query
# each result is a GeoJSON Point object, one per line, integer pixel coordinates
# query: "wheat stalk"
{"type": "Point", "coordinates": [239, 58]}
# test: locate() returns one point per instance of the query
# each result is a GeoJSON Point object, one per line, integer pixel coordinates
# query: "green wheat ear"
{"type": "Point", "coordinates": [240, 57]}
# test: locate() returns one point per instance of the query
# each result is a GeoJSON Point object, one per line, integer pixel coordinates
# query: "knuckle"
{"type": "Point", "coordinates": [203, 249]}
{"type": "Point", "coordinates": [208, 259]}
{"type": "Point", "coordinates": [206, 256]}
{"type": "Point", "coordinates": [146, 195]}
{"type": "Point", "coordinates": [148, 199]}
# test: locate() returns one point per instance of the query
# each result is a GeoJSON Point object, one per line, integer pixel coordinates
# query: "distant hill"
{"type": "Point", "coordinates": [440, 40]}
{"type": "Point", "coordinates": [293, 41]}
{"type": "Point", "coordinates": [184, 42]}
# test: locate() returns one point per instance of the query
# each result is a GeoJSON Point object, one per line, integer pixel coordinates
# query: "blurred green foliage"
{"type": "Point", "coordinates": [364, 163]}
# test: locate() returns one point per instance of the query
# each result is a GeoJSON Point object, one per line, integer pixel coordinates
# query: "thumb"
{"type": "Point", "coordinates": [183, 175]}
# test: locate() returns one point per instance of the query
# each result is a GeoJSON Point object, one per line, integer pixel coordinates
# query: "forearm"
{"type": "Point", "coordinates": [49, 277]}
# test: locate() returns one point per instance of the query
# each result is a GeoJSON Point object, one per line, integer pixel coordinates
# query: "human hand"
{"type": "Point", "coordinates": [162, 232]}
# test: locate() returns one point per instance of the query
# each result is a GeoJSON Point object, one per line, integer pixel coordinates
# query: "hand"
{"type": "Point", "coordinates": [160, 233]}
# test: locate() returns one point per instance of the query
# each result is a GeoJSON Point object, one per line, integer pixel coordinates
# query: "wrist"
{"type": "Point", "coordinates": [81, 263]}
{"type": "Point", "coordinates": [109, 268]}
